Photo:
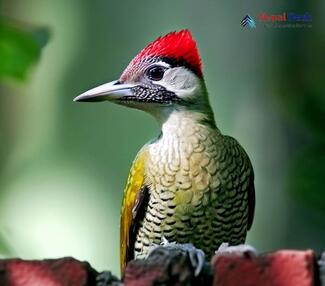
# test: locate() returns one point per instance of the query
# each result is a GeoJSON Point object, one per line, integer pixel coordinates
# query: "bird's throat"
{"type": "Point", "coordinates": [184, 123]}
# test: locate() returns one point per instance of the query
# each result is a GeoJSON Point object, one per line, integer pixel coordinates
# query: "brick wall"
{"type": "Point", "coordinates": [172, 267]}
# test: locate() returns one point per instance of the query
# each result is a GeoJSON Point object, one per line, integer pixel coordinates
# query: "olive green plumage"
{"type": "Point", "coordinates": [199, 184]}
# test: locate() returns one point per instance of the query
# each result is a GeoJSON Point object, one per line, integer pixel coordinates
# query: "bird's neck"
{"type": "Point", "coordinates": [180, 119]}
{"type": "Point", "coordinates": [182, 123]}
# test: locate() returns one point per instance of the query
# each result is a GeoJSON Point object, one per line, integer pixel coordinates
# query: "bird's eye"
{"type": "Point", "coordinates": [155, 73]}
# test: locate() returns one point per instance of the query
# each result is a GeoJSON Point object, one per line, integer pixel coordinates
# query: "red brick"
{"type": "Point", "coordinates": [286, 267]}
{"type": "Point", "coordinates": [51, 272]}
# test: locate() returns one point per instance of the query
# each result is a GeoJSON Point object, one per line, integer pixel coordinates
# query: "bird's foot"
{"type": "Point", "coordinates": [243, 249]}
{"type": "Point", "coordinates": [106, 278]}
{"type": "Point", "coordinates": [165, 242]}
{"type": "Point", "coordinates": [196, 256]}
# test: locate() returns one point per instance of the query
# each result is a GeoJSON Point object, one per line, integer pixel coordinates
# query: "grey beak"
{"type": "Point", "coordinates": [108, 91]}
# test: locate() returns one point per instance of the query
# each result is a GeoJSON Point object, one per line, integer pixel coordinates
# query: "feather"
{"type": "Point", "coordinates": [135, 198]}
{"type": "Point", "coordinates": [178, 46]}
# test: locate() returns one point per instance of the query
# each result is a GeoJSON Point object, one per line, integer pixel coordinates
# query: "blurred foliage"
{"type": "Point", "coordinates": [19, 49]}
{"type": "Point", "coordinates": [306, 178]}
{"type": "Point", "coordinates": [300, 82]}
{"type": "Point", "coordinates": [299, 88]}
{"type": "Point", "coordinates": [5, 247]}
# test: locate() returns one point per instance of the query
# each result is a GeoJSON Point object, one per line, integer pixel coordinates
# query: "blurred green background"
{"type": "Point", "coordinates": [63, 165]}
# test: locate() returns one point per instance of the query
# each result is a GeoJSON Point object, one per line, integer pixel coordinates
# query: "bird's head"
{"type": "Point", "coordinates": [166, 75]}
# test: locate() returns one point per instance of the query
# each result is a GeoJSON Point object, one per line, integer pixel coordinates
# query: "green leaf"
{"type": "Point", "coordinates": [19, 49]}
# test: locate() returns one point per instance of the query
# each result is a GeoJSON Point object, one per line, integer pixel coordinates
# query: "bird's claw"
{"type": "Point", "coordinates": [196, 256]}
{"type": "Point", "coordinates": [224, 248]}
{"type": "Point", "coordinates": [165, 242]}
{"type": "Point", "coordinates": [106, 278]}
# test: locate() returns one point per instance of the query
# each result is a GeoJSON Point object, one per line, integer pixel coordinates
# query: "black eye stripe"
{"type": "Point", "coordinates": [172, 62]}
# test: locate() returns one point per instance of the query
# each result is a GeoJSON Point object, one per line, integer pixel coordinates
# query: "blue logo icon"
{"type": "Point", "coordinates": [248, 21]}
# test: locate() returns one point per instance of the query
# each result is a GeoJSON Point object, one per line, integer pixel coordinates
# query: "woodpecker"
{"type": "Point", "coordinates": [191, 184]}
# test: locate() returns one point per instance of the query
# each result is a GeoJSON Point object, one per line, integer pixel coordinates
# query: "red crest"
{"type": "Point", "coordinates": [176, 45]}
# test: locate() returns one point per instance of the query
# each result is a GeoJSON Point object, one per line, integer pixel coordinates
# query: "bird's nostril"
{"type": "Point", "coordinates": [117, 82]}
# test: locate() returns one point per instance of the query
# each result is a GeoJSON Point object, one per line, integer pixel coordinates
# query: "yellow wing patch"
{"type": "Point", "coordinates": [133, 186]}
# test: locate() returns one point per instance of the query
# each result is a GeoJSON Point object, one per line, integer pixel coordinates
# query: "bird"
{"type": "Point", "coordinates": [191, 184]}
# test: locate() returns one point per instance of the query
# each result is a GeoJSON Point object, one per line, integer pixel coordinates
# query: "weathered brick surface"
{"type": "Point", "coordinates": [286, 267]}
{"type": "Point", "coordinates": [51, 272]}
{"type": "Point", "coordinates": [173, 267]}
